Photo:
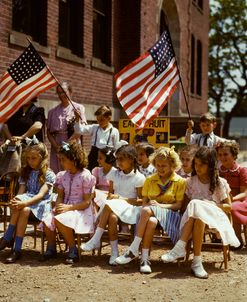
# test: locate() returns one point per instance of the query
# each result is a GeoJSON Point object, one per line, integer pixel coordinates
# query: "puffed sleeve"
{"type": "Point", "coordinates": [50, 177]}
{"type": "Point", "coordinates": [146, 187]}
{"type": "Point", "coordinates": [140, 180]}
{"type": "Point", "coordinates": [88, 182]}
{"type": "Point", "coordinates": [59, 180]}
{"type": "Point", "coordinates": [112, 174]}
{"type": "Point", "coordinates": [180, 190]}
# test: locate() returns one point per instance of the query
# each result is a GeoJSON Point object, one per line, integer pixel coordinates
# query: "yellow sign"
{"type": "Point", "coordinates": [156, 133]}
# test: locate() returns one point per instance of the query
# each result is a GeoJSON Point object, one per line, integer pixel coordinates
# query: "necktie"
{"type": "Point", "coordinates": [205, 141]}
{"type": "Point", "coordinates": [164, 188]}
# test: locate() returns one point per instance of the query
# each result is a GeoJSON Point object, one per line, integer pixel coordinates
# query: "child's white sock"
{"type": "Point", "coordinates": [145, 254]}
{"type": "Point", "coordinates": [114, 247]}
{"type": "Point", "coordinates": [197, 259]}
{"type": "Point", "coordinates": [181, 244]}
{"type": "Point", "coordinates": [134, 247]}
{"type": "Point", "coordinates": [97, 235]}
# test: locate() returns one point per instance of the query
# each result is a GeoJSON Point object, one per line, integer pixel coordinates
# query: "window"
{"type": "Point", "coordinates": [30, 17]}
{"type": "Point", "coordinates": [70, 31]}
{"type": "Point", "coordinates": [196, 66]}
{"type": "Point", "coordinates": [102, 30]}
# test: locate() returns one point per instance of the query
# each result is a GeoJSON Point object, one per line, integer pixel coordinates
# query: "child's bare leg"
{"type": "Point", "coordinates": [197, 236]}
{"type": "Point", "coordinates": [237, 229]}
{"type": "Point", "coordinates": [22, 222]}
{"type": "Point", "coordinates": [14, 217]}
{"type": "Point", "coordinates": [113, 236]}
{"type": "Point", "coordinates": [50, 236]}
{"type": "Point", "coordinates": [103, 221]}
{"type": "Point", "coordinates": [187, 230]}
{"type": "Point", "coordinates": [146, 213]}
{"type": "Point", "coordinates": [149, 232]}
{"type": "Point", "coordinates": [67, 233]}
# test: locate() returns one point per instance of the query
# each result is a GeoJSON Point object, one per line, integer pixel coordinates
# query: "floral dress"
{"type": "Point", "coordinates": [42, 208]}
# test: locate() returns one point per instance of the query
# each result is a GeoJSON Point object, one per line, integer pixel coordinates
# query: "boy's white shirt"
{"type": "Point", "coordinates": [102, 134]}
{"type": "Point", "coordinates": [198, 139]}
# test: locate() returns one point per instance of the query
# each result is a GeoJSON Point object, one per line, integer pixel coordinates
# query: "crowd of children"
{"type": "Point", "coordinates": [137, 185]}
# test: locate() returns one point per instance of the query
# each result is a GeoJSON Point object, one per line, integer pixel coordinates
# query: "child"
{"type": "Point", "coordinates": [207, 137]}
{"type": "Point", "coordinates": [186, 155]}
{"type": "Point", "coordinates": [73, 209]}
{"type": "Point", "coordinates": [163, 194]}
{"type": "Point", "coordinates": [125, 187]}
{"type": "Point", "coordinates": [144, 150]}
{"type": "Point", "coordinates": [209, 199]}
{"type": "Point", "coordinates": [236, 176]}
{"type": "Point", "coordinates": [34, 196]}
{"type": "Point", "coordinates": [103, 134]}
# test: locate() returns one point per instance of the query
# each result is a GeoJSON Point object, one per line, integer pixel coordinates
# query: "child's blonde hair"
{"type": "Point", "coordinates": [26, 169]}
{"type": "Point", "coordinates": [189, 149]}
{"type": "Point", "coordinates": [166, 154]}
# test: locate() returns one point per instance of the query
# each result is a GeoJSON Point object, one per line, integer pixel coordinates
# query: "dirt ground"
{"type": "Point", "coordinates": [94, 280]}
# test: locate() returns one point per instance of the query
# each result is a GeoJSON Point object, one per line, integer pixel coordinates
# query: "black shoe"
{"type": "Point", "coordinates": [15, 255]}
{"type": "Point", "coordinates": [49, 254]}
{"type": "Point", "coordinates": [4, 243]}
{"type": "Point", "coordinates": [71, 260]}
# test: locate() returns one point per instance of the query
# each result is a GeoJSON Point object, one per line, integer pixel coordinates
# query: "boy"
{"type": "Point", "coordinates": [103, 134]}
{"type": "Point", "coordinates": [207, 137]}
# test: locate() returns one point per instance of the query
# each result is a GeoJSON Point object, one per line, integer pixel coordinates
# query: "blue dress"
{"type": "Point", "coordinates": [43, 207]}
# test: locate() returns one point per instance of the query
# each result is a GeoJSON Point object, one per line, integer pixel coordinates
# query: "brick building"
{"type": "Point", "coordinates": [87, 41]}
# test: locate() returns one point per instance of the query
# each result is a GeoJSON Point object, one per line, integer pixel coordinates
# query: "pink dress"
{"type": "Point", "coordinates": [101, 181]}
{"type": "Point", "coordinates": [236, 177]}
{"type": "Point", "coordinates": [75, 186]}
{"type": "Point", "coordinates": [57, 120]}
{"type": "Point", "coordinates": [203, 206]}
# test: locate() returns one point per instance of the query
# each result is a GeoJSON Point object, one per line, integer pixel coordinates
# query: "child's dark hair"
{"type": "Point", "coordinates": [26, 169]}
{"type": "Point", "coordinates": [208, 156]}
{"type": "Point", "coordinates": [76, 153]}
{"type": "Point", "coordinates": [232, 145]}
{"type": "Point", "coordinates": [104, 111]}
{"type": "Point", "coordinates": [109, 155]}
{"type": "Point", "coordinates": [148, 148]}
{"type": "Point", "coordinates": [128, 151]}
{"type": "Point", "coordinates": [207, 117]}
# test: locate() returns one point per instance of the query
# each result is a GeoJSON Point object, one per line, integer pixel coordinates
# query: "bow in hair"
{"type": "Point", "coordinates": [32, 141]}
{"type": "Point", "coordinates": [65, 146]}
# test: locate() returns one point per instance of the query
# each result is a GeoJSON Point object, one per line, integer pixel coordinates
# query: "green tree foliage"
{"type": "Point", "coordinates": [227, 58]}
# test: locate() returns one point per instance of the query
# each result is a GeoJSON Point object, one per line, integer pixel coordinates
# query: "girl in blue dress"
{"type": "Point", "coordinates": [34, 196]}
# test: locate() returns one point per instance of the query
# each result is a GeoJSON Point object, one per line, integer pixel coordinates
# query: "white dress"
{"type": "Point", "coordinates": [203, 206]}
{"type": "Point", "coordinates": [126, 186]}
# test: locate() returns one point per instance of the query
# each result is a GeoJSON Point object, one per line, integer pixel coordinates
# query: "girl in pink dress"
{"type": "Point", "coordinates": [75, 185]}
{"type": "Point", "coordinates": [236, 176]}
{"type": "Point", "coordinates": [209, 200]}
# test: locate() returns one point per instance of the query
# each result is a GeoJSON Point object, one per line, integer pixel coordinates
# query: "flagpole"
{"type": "Point", "coordinates": [59, 84]}
{"type": "Point", "coordinates": [179, 75]}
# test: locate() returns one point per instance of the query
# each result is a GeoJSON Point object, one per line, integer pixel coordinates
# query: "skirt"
{"type": "Point", "coordinates": [40, 209]}
{"type": "Point", "coordinates": [214, 217]}
{"type": "Point", "coordinates": [82, 222]}
{"type": "Point", "coordinates": [169, 221]}
{"type": "Point", "coordinates": [126, 212]}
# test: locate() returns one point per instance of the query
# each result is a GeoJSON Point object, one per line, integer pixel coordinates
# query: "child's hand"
{"type": "Point", "coordinates": [62, 208]}
{"type": "Point", "coordinates": [190, 124]}
{"type": "Point", "coordinates": [16, 204]}
{"type": "Point", "coordinates": [153, 203]}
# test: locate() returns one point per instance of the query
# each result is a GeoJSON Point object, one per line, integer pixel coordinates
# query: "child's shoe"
{"type": "Point", "coordinates": [72, 256]}
{"type": "Point", "coordinates": [15, 255]}
{"type": "Point", "coordinates": [145, 267]}
{"type": "Point", "coordinates": [49, 254]}
{"type": "Point", "coordinates": [112, 260]}
{"type": "Point", "coordinates": [89, 246]}
{"type": "Point", "coordinates": [127, 257]}
{"type": "Point", "coordinates": [198, 270]}
{"type": "Point", "coordinates": [174, 254]}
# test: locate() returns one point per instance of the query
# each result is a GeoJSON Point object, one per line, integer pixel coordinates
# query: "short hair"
{"type": "Point", "coordinates": [231, 144]}
{"type": "Point", "coordinates": [76, 153]}
{"type": "Point", "coordinates": [166, 154]}
{"type": "Point", "coordinates": [207, 117]}
{"type": "Point", "coordinates": [104, 111]}
{"type": "Point", "coordinates": [109, 153]}
{"type": "Point", "coordinates": [190, 149]}
{"type": "Point", "coordinates": [148, 148]}
{"type": "Point", "coordinates": [65, 85]}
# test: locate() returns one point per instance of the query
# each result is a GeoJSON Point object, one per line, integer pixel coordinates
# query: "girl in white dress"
{"type": "Point", "coordinates": [122, 202]}
{"type": "Point", "coordinates": [209, 201]}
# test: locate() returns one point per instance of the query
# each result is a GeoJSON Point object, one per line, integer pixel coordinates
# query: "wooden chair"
{"type": "Point", "coordinates": [8, 188]}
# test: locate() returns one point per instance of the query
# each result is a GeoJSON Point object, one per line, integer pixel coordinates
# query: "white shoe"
{"type": "Point", "coordinates": [198, 270]}
{"type": "Point", "coordinates": [89, 246]}
{"type": "Point", "coordinates": [174, 254]}
{"type": "Point", "coordinates": [127, 257]}
{"type": "Point", "coordinates": [112, 260]}
{"type": "Point", "coordinates": [145, 267]}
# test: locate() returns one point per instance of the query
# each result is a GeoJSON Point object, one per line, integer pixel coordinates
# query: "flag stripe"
{"type": "Point", "coordinates": [140, 99]}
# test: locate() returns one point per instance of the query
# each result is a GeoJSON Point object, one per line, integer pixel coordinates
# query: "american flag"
{"type": "Point", "coordinates": [26, 78]}
{"type": "Point", "coordinates": [145, 85]}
